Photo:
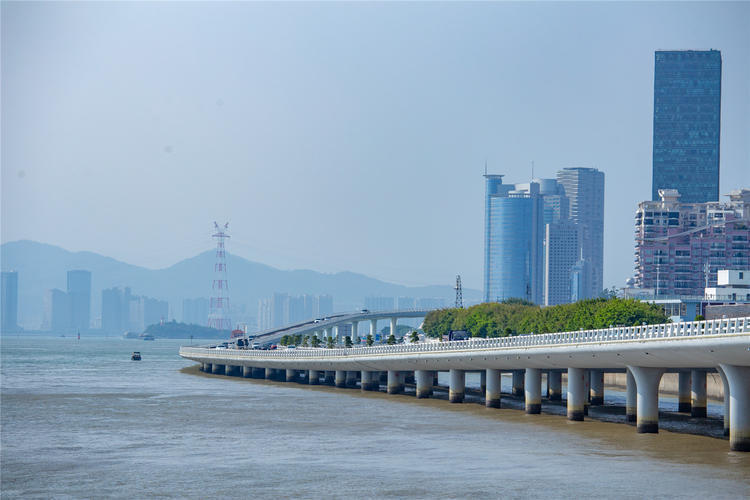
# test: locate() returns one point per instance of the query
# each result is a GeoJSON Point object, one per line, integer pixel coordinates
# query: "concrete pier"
{"type": "Point", "coordinates": [517, 383]}
{"type": "Point", "coordinates": [631, 397]}
{"type": "Point", "coordinates": [586, 390]}
{"type": "Point", "coordinates": [291, 375]}
{"type": "Point", "coordinates": [313, 377]}
{"type": "Point", "coordinates": [554, 386]}
{"type": "Point", "coordinates": [739, 406]}
{"type": "Point", "coordinates": [330, 378]}
{"type": "Point", "coordinates": [483, 381]}
{"type": "Point", "coordinates": [340, 378]}
{"type": "Point", "coordinates": [533, 390]}
{"type": "Point", "coordinates": [457, 386]}
{"type": "Point", "coordinates": [230, 370]}
{"type": "Point", "coordinates": [725, 384]}
{"type": "Point", "coordinates": [208, 367]}
{"type": "Point", "coordinates": [247, 371]}
{"type": "Point", "coordinates": [424, 383]}
{"type": "Point", "coordinates": [596, 394]}
{"type": "Point", "coordinates": [370, 381]}
{"type": "Point", "coordinates": [683, 392]}
{"type": "Point", "coordinates": [217, 368]}
{"type": "Point", "coordinates": [492, 395]}
{"type": "Point", "coordinates": [258, 373]}
{"type": "Point", "coordinates": [576, 393]}
{"type": "Point", "coordinates": [268, 373]}
{"type": "Point", "coordinates": [647, 401]}
{"type": "Point", "coordinates": [351, 379]}
{"type": "Point", "coordinates": [395, 385]}
{"type": "Point", "coordinates": [698, 400]}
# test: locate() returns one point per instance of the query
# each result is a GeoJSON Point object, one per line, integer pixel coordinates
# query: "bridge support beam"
{"type": "Point", "coordinates": [268, 373]}
{"type": "Point", "coordinates": [340, 378]}
{"type": "Point", "coordinates": [291, 375]}
{"type": "Point", "coordinates": [207, 367]}
{"type": "Point", "coordinates": [518, 382]}
{"type": "Point", "coordinates": [229, 370]}
{"type": "Point", "coordinates": [373, 328]}
{"type": "Point", "coordinates": [725, 384]}
{"type": "Point", "coordinates": [351, 379]}
{"type": "Point", "coordinates": [586, 390]}
{"type": "Point", "coordinates": [597, 387]}
{"type": "Point", "coordinates": [739, 406]}
{"type": "Point", "coordinates": [647, 401]}
{"type": "Point", "coordinates": [370, 381]}
{"type": "Point", "coordinates": [247, 371]}
{"type": "Point", "coordinates": [457, 386]}
{"type": "Point", "coordinates": [305, 376]}
{"type": "Point", "coordinates": [492, 394]}
{"type": "Point", "coordinates": [330, 378]}
{"type": "Point", "coordinates": [576, 393]}
{"type": "Point", "coordinates": [217, 368]}
{"type": "Point", "coordinates": [683, 392]}
{"type": "Point", "coordinates": [554, 386]}
{"type": "Point", "coordinates": [698, 394]}
{"type": "Point", "coordinates": [631, 398]}
{"type": "Point", "coordinates": [395, 384]}
{"type": "Point", "coordinates": [394, 326]}
{"type": "Point", "coordinates": [533, 391]}
{"type": "Point", "coordinates": [313, 377]}
{"type": "Point", "coordinates": [424, 383]}
{"type": "Point", "coordinates": [355, 332]}
{"type": "Point", "coordinates": [483, 381]}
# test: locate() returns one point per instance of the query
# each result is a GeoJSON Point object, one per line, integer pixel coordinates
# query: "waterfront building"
{"type": "Point", "coordinates": [584, 188]}
{"type": "Point", "coordinates": [79, 291]}
{"type": "Point", "coordinates": [9, 286]}
{"type": "Point", "coordinates": [406, 303]}
{"type": "Point", "coordinates": [562, 276]}
{"type": "Point", "coordinates": [731, 285]}
{"type": "Point", "coordinates": [426, 303]}
{"type": "Point", "coordinates": [323, 306]}
{"type": "Point", "coordinates": [681, 246]}
{"type": "Point", "coordinates": [264, 314]}
{"type": "Point", "coordinates": [279, 309]}
{"type": "Point", "coordinates": [113, 310]}
{"type": "Point", "coordinates": [687, 117]}
{"type": "Point", "coordinates": [57, 311]}
{"type": "Point", "coordinates": [195, 311]}
{"type": "Point", "coordinates": [379, 303]}
{"type": "Point", "coordinates": [513, 237]}
{"type": "Point", "coordinates": [295, 309]}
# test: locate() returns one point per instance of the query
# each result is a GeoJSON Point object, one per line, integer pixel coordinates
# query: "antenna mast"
{"type": "Point", "coordinates": [459, 293]}
{"type": "Point", "coordinates": [218, 316]}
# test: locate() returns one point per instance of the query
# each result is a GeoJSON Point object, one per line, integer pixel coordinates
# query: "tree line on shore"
{"type": "Point", "coordinates": [517, 317]}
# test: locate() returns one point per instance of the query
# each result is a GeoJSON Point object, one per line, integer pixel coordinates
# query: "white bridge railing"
{"type": "Point", "coordinates": [631, 333]}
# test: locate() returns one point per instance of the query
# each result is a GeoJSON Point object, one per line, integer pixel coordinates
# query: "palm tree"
{"type": "Point", "coordinates": [370, 340]}
{"type": "Point", "coordinates": [348, 341]}
{"type": "Point", "coordinates": [391, 339]}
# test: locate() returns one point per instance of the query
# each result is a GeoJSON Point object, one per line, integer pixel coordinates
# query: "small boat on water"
{"type": "Point", "coordinates": [147, 336]}
{"type": "Point", "coordinates": [136, 356]}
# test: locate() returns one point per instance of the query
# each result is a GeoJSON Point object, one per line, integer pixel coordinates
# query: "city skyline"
{"type": "Point", "coordinates": [390, 144]}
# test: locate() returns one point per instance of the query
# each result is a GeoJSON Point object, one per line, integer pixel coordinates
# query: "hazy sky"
{"type": "Point", "coordinates": [336, 136]}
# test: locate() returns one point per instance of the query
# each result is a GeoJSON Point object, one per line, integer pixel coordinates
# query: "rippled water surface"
{"type": "Point", "coordinates": [79, 419]}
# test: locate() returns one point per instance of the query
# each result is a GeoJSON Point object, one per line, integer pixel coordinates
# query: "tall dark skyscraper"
{"type": "Point", "coordinates": [79, 293]}
{"type": "Point", "coordinates": [687, 116]}
{"type": "Point", "coordinates": [9, 301]}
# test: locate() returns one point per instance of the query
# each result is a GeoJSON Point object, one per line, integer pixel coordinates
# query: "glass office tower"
{"type": "Point", "coordinates": [514, 232]}
{"type": "Point", "coordinates": [687, 116]}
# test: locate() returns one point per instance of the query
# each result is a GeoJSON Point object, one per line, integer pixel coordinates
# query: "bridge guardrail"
{"type": "Point", "coordinates": [661, 331]}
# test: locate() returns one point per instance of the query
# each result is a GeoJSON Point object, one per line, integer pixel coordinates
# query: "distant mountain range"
{"type": "Point", "coordinates": [41, 267]}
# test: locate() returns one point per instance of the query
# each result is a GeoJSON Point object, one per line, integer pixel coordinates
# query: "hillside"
{"type": "Point", "coordinates": [41, 267]}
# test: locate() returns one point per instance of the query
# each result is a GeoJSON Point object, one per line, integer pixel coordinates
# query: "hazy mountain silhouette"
{"type": "Point", "coordinates": [41, 267]}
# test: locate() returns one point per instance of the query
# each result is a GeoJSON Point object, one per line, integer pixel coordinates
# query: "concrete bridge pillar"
{"type": "Point", "coordinates": [230, 370]}
{"type": "Point", "coordinates": [291, 375]}
{"type": "Point", "coordinates": [217, 368]}
{"type": "Point", "coordinates": [576, 393]}
{"type": "Point", "coordinates": [597, 387]}
{"type": "Point", "coordinates": [631, 396]}
{"type": "Point", "coordinates": [351, 379]}
{"type": "Point", "coordinates": [587, 390]}
{"type": "Point", "coordinates": [330, 377]}
{"type": "Point", "coordinates": [725, 384]}
{"type": "Point", "coordinates": [457, 386]}
{"type": "Point", "coordinates": [313, 377]}
{"type": "Point", "coordinates": [373, 328]}
{"type": "Point", "coordinates": [202, 367]}
{"type": "Point", "coordinates": [533, 390]}
{"type": "Point", "coordinates": [683, 392]}
{"type": "Point", "coordinates": [647, 400]}
{"type": "Point", "coordinates": [340, 378]}
{"type": "Point", "coordinates": [483, 381]}
{"type": "Point", "coordinates": [554, 386]}
{"type": "Point", "coordinates": [326, 333]}
{"type": "Point", "coordinates": [370, 381]}
{"type": "Point", "coordinates": [305, 377]}
{"type": "Point", "coordinates": [247, 371]}
{"type": "Point", "coordinates": [518, 382]}
{"type": "Point", "coordinates": [355, 332]}
{"type": "Point", "coordinates": [424, 383]}
{"type": "Point", "coordinates": [258, 372]}
{"type": "Point", "coordinates": [698, 394]}
{"type": "Point", "coordinates": [268, 373]}
{"type": "Point", "coordinates": [207, 367]}
{"type": "Point", "coordinates": [492, 395]}
{"type": "Point", "coordinates": [739, 406]}
{"type": "Point", "coordinates": [394, 326]}
{"type": "Point", "coordinates": [394, 382]}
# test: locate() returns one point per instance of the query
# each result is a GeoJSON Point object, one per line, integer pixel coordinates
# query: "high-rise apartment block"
{"type": "Point", "coordinates": [282, 309]}
{"type": "Point", "coordinates": [122, 311]}
{"type": "Point", "coordinates": [57, 311]}
{"type": "Point", "coordinates": [380, 303]}
{"type": "Point", "coordinates": [687, 117]}
{"type": "Point", "coordinates": [195, 311]}
{"type": "Point", "coordinates": [9, 287]}
{"type": "Point", "coordinates": [79, 291]}
{"type": "Point", "coordinates": [681, 246]}
{"type": "Point", "coordinates": [544, 239]}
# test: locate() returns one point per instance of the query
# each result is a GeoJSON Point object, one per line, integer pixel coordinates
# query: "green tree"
{"type": "Point", "coordinates": [370, 340]}
{"type": "Point", "coordinates": [414, 337]}
{"type": "Point", "coordinates": [329, 342]}
{"type": "Point", "coordinates": [305, 341]}
{"type": "Point", "coordinates": [315, 341]}
{"type": "Point", "coordinates": [391, 339]}
{"type": "Point", "coordinates": [284, 340]}
{"type": "Point", "coordinates": [347, 341]}
{"type": "Point", "coordinates": [699, 317]}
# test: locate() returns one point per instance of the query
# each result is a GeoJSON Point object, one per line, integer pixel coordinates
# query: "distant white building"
{"type": "Point", "coordinates": [731, 285]}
